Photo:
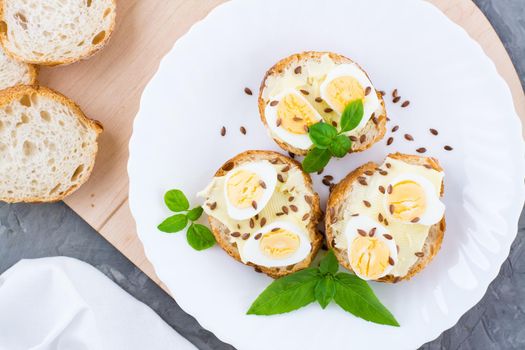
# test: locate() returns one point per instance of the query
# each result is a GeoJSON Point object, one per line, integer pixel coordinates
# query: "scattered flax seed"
{"type": "Point", "coordinates": [318, 99]}
{"type": "Point", "coordinates": [279, 214]}
{"type": "Point", "coordinates": [362, 181]}
{"type": "Point", "coordinates": [369, 172]}
{"type": "Point", "coordinates": [367, 204]}
{"type": "Point", "coordinates": [434, 132]}
{"type": "Point", "coordinates": [356, 214]}
{"type": "Point", "coordinates": [396, 279]}
{"type": "Point", "coordinates": [389, 141]}
{"type": "Point", "coordinates": [248, 91]}
{"type": "Point", "coordinates": [362, 138]}
{"type": "Point", "coordinates": [372, 232]}
{"type": "Point", "coordinates": [238, 226]}
{"type": "Point", "coordinates": [306, 216]}
{"type": "Point", "coordinates": [421, 150]}
{"type": "Point", "coordinates": [262, 222]}
{"type": "Point", "coordinates": [212, 206]}
{"type": "Point", "coordinates": [308, 199]}
{"type": "Point", "coordinates": [291, 198]}
{"type": "Point", "coordinates": [298, 70]}
{"type": "Point", "coordinates": [326, 182]}
{"type": "Point", "coordinates": [382, 93]}
{"type": "Point", "coordinates": [375, 120]}
{"type": "Point", "coordinates": [414, 220]}
{"type": "Point", "coordinates": [394, 93]}
{"type": "Point", "coordinates": [294, 208]}
{"type": "Point", "coordinates": [395, 128]}
{"type": "Point", "coordinates": [328, 177]}
{"type": "Point", "coordinates": [448, 148]}
{"type": "Point", "coordinates": [292, 155]}
{"type": "Point", "coordinates": [380, 217]}
{"type": "Point", "coordinates": [254, 204]}
{"type": "Point", "coordinates": [257, 236]}
{"type": "Point", "coordinates": [245, 236]}
{"type": "Point", "coordinates": [304, 92]}
{"type": "Point", "coordinates": [383, 172]}
{"type": "Point", "coordinates": [334, 123]}
{"type": "Point", "coordinates": [386, 222]}
{"type": "Point", "coordinates": [236, 234]}
{"type": "Point", "coordinates": [387, 119]}
{"type": "Point", "coordinates": [328, 110]}
{"type": "Point", "coordinates": [306, 128]}
{"type": "Point", "coordinates": [262, 184]}
{"type": "Point", "coordinates": [331, 187]}
{"type": "Point", "coordinates": [396, 99]}
{"type": "Point", "coordinates": [391, 261]}
{"type": "Point", "coordinates": [419, 254]}
{"type": "Point", "coordinates": [274, 103]}
{"type": "Point", "coordinates": [389, 189]}
{"type": "Point", "coordinates": [368, 90]}
{"type": "Point", "coordinates": [280, 178]}
{"type": "Point", "coordinates": [427, 166]}
{"type": "Point", "coordinates": [409, 137]}
{"type": "Point", "coordinates": [228, 166]}
{"type": "Point", "coordinates": [361, 232]}
{"type": "Point", "coordinates": [352, 138]}
{"type": "Point", "coordinates": [285, 169]}
{"type": "Point", "coordinates": [382, 189]}
{"type": "Point", "coordinates": [387, 236]}
{"type": "Point", "coordinates": [243, 130]}
{"type": "Point", "coordinates": [405, 104]}
{"type": "Point", "coordinates": [391, 208]}
{"type": "Point", "coordinates": [297, 119]}
{"type": "Point", "coordinates": [320, 171]}
{"type": "Point", "coordinates": [274, 161]}
{"type": "Point", "coordinates": [252, 223]}
{"type": "Point", "coordinates": [275, 229]}
{"type": "Point", "coordinates": [285, 209]}
{"type": "Point", "coordinates": [388, 165]}
{"type": "Point", "coordinates": [397, 248]}
{"type": "Point", "coordinates": [256, 217]}
{"type": "Point", "coordinates": [223, 131]}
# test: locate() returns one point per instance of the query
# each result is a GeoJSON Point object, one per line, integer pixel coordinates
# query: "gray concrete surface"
{"type": "Point", "coordinates": [496, 322]}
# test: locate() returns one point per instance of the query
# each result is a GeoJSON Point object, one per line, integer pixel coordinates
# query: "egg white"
{"type": "Point", "coordinates": [300, 141]}
{"type": "Point", "coordinates": [250, 251]}
{"type": "Point", "coordinates": [371, 102]}
{"type": "Point", "coordinates": [266, 173]}
{"type": "Point", "coordinates": [366, 223]}
{"type": "Point", "coordinates": [435, 209]}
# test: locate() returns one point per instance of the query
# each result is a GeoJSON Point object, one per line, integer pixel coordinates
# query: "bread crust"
{"type": "Point", "coordinates": [86, 55]}
{"type": "Point", "coordinates": [339, 195]}
{"type": "Point", "coordinates": [220, 232]}
{"type": "Point", "coordinates": [280, 66]}
{"type": "Point", "coordinates": [15, 93]}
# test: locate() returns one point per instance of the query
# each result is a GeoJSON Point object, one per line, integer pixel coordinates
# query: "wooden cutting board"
{"type": "Point", "coordinates": [108, 88]}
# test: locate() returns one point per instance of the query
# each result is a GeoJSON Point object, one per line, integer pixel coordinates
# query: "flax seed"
{"type": "Point", "coordinates": [396, 99]}
{"type": "Point", "coordinates": [248, 91]}
{"type": "Point", "coordinates": [243, 130]}
{"type": "Point", "coordinates": [367, 204]}
{"type": "Point", "coordinates": [235, 234]}
{"type": "Point", "coordinates": [304, 92]}
{"type": "Point", "coordinates": [405, 104]}
{"type": "Point", "coordinates": [434, 132]}
{"type": "Point", "coordinates": [223, 131]}
{"type": "Point", "coordinates": [382, 189]}
{"type": "Point", "coordinates": [389, 141]}
{"type": "Point", "coordinates": [257, 236]}
{"type": "Point", "coordinates": [274, 103]}
{"type": "Point", "coordinates": [245, 236]}
{"type": "Point", "coordinates": [305, 216]}
{"type": "Point", "coordinates": [298, 70]}
{"type": "Point", "coordinates": [262, 222]}
{"type": "Point", "coordinates": [368, 90]}
{"type": "Point", "coordinates": [362, 138]}
{"type": "Point", "coordinates": [328, 110]}
{"type": "Point", "coordinates": [409, 137]}
{"type": "Point", "coordinates": [395, 128]}
{"type": "Point", "coordinates": [362, 232]}
{"type": "Point", "coordinates": [421, 150]}
{"type": "Point", "coordinates": [387, 236]}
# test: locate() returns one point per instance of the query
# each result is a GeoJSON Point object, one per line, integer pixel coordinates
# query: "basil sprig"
{"type": "Point", "coordinates": [322, 284]}
{"type": "Point", "coordinates": [199, 237]}
{"type": "Point", "coordinates": [328, 142]}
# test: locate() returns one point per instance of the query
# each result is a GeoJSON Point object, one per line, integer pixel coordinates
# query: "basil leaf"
{"type": "Point", "coordinates": [195, 213]}
{"type": "Point", "coordinates": [176, 201]}
{"type": "Point", "coordinates": [287, 293]}
{"type": "Point", "coordinates": [325, 291]}
{"type": "Point", "coordinates": [322, 134]}
{"type": "Point", "coordinates": [329, 264]}
{"type": "Point", "coordinates": [352, 115]}
{"type": "Point", "coordinates": [174, 223]}
{"type": "Point", "coordinates": [200, 237]}
{"type": "Point", "coordinates": [316, 159]}
{"type": "Point", "coordinates": [340, 146]}
{"type": "Point", "coordinates": [355, 296]}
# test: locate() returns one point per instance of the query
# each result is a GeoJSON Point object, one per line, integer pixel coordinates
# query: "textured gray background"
{"type": "Point", "coordinates": [497, 322]}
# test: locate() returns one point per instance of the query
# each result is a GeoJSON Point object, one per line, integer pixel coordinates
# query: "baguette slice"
{"type": "Point", "coordinates": [55, 32]}
{"type": "Point", "coordinates": [221, 232]}
{"type": "Point", "coordinates": [14, 73]}
{"type": "Point", "coordinates": [47, 145]}
{"type": "Point", "coordinates": [375, 128]}
{"type": "Point", "coordinates": [341, 194]}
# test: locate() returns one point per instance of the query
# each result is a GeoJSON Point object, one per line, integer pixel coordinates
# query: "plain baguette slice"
{"type": "Point", "coordinates": [373, 130]}
{"type": "Point", "coordinates": [47, 145]}
{"type": "Point", "coordinates": [341, 194]}
{"type": "Point", "coordinates": [54, 32]}
{"type": "Point", "coordinates": [220, 231]}
{"type": "Point", "coordinates": [13, 72]}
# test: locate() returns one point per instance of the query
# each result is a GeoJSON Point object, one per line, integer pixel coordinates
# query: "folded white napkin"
{"type": "Point", "coordinates": [65, 304]}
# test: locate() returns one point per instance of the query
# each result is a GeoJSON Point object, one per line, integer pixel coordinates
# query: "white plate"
{"type": "Point", "coordinates": [404, 44]}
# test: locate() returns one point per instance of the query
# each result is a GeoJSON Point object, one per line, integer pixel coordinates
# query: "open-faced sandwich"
{"type": "Point", "coordinates": [386, 222]}
{"type": "Point", "coordinates": [263, 212]}
{"type": "Point", "coordinates": [312, 87]}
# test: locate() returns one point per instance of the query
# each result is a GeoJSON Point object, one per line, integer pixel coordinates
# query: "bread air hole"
{"type": "Point", "coordinates": [34, 98]}
{"type": "Point", "coordinates": [29, 148]}
{"type": "Point", "coordinates": [9, 110]}
{"type": "Point", "coordinates": [3, 27]}
{"type": "Point", "coordinates": [25, 101]}
{"type": "Point", "coordinates": [1, 126]}
{"type": "Point", "coordinates": [77, 173]}
{"type": "Point", "coordinates": [99, 38]}
{"type": "Point", "coordinates": [106, 13]}
{"type": "Point", "coordinates": [54, 189]}
{"type": "Point", "coordinates": [21, 19]}
{"type": "Point", "coordinates": [45, 116]}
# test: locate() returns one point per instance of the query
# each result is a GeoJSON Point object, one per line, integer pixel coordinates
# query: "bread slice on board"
{"type": "Point", "coordinates": [47, 145]}
{"type": "Point", "coordinates": [13, 72]}
{"type": "Point", "coordinates": [341, 194]}
{"type": "Point", "coordinates": [222, 234]}
{"type": "Point", "coordinates": [55, 32]}
{"type": "Point", "coordinates": [373, 131]}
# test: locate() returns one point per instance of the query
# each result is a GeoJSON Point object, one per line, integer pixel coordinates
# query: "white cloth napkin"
{"type": "Point", "coordinates": [65, 304]}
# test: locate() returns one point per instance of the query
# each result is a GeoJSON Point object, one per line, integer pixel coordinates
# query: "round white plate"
{"type": "Point", "coordinates": [404, 44]}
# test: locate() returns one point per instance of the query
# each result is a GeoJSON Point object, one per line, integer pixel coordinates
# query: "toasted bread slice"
{"type": "Point", "coordinates": [222, 233]}
{"type": "Point", "coordinates": [373, 131]}
{"type": "Point", "coordinates": [47, 145]}
{"type": "Point", "coordinates": [342, 194]}
{"type": "Point", "coordinates": [14, 73]}
{"type": "Point", "coordinates": [55, 32]}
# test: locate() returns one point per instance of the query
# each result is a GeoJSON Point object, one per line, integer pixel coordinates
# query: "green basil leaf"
{"type": "Point", "coordinates": [352, 115]}
{"type": "Point", "coordinates": [316, 159]}
{"type": "Point", "coordinates": [325, 291]}
{"type": "Point", "coordinates": [340, 146]}
{"type": "Point", "coordinates": [195, 213]}
{"type": "Point", "coordinates": [287, 293]}
{"type": "Point", "coordinates": [174, 223]}
{"type": "Point", "coordinates": [200, 237]}
{"type": "Point", "coordinates": [329, 264]}
{"type": "Point", "coordinates": [356, 297]}
{"type": "Point", "coordinates": [322, 134]}
{"type": "Point", "coordinates": [176, 201]}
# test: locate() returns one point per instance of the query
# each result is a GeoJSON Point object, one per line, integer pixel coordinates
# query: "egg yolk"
{"type": "Point", "coordinates": [244, 188]}
{"type": "Point", "coordinates": [343, 90]}
{"type": "Point", "coordinates": [407, 201]}
{"type": "Point", "coordinates": [369, 256]}
{"type": "Point", "coordinates": [295, 115]}
{"type": "Point", "coordinates": [279, 244]}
